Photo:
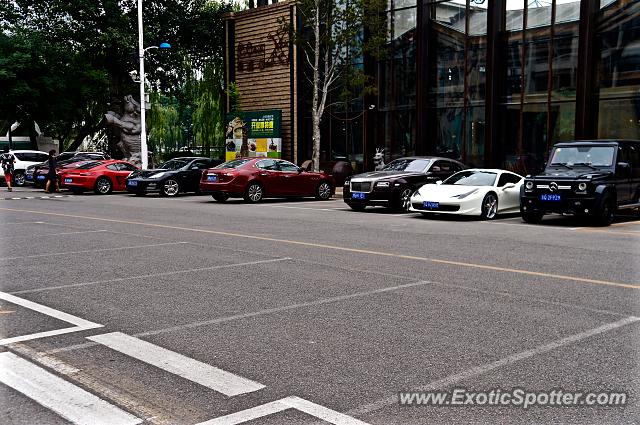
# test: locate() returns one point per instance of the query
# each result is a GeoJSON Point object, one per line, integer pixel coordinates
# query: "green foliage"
{"type": "Point", "coordinates": [234, 99]}
{"type": "Point", "coordinates": [208, 116]}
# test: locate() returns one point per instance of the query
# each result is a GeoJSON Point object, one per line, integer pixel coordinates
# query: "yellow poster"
{"type": "Point", "coordinates": [261, 145]}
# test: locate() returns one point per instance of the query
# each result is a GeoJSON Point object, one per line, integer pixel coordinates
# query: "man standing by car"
{"type": "Point", "coordinates": [52, 175]}
{"type": "Point", "coordinates": [7, 161]}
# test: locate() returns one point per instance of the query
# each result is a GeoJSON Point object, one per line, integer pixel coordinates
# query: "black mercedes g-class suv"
{"type": "Point", "coordinates": [590, 178]}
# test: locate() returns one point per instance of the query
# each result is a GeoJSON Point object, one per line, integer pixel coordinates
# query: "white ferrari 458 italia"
{"type": "Point", "coordinates": [480, 192]}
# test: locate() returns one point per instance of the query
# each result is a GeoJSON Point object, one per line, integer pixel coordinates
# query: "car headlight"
{"type": "Point", "coordinates": [157, 175]}
{"type": "Point", "coordinates": [382, 184]}
{"type": "Point", "coordinates": [528, 185]}
{"type": "Point", "coordinates": [582, 187]}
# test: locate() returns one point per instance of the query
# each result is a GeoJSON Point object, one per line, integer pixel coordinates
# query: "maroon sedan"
{"type": "Point", "coordinates": [257, 178]}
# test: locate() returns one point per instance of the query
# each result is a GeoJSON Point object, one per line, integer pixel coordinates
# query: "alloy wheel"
{"type": "Point", "coordinates": [324, 191]}
{"type": "Point", "coordinates": [490, 206]}
{"type": "Point", "coordinates": [171, 187]}
{"type": "Point", "coordinates": [18, 179]}
{"type": "Point", "coordinates": [405, 199]}
{"type": "Point", "coordinates": [254, 192]}
{"type": "Point", "coordinates": [103, 186]}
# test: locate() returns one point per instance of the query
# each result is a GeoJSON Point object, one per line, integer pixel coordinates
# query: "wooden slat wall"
{"type": "Point", "coordinates": [268, 88]}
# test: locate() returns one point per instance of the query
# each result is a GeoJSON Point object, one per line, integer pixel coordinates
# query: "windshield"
{"type": "Point", "coordinates": [595, 156]}
{"type": "Point", "coordinates": [87, 165]}
{"type": "Point", "coordinates": [472, 178]}
{"type": "Point", "coordinates": [233, 164]}
{"type": "Point", "coordinates": [174, 164]}
{"type": "Point", "coordinates": [407, 165]}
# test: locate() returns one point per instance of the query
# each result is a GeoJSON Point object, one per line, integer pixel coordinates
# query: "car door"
{"type": "Point", "coordinates": [508, 188]}
{"type": "Point", "coordinates": [269, 177]}
{"type": "Point", "coordinates": [192, 178]}
{"type": "Point", "coordinates": [294, 183]}
{"type": "Point", "coordinates": [112, 171]}
{"type": "Point", "coordinates": [124, 169]}
{"type": "Point", "coordinates": [623, 174]}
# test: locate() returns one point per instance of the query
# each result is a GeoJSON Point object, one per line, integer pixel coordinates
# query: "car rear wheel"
{"type": "Point", "coordinates": [220, 197]}
{"type": "Point", "coordinates": [18, 178]}
{"type": "Point", "coordinates": [254, 193]}
{"type": "Point", "coordinates": [489, 207]}
{"type": "Point", "coordinates": [170, 187]}
{"type": "Point", "coordinates": [603, 216]}
{"type": "Point", "coordinates": [323, 192]}
{"type": "Point", "coordinates": [103, 186]}
{"type": "Point", "coordinates": [403, 201]}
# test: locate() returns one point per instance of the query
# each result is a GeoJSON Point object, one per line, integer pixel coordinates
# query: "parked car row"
{"type": "Point", "coordinates": [585, 178]}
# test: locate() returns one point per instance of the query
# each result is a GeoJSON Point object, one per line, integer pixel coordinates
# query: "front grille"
{"type": "Point", "coordinates": [446, 208]}
{"type": "Point", "coordinates": [360, 186]}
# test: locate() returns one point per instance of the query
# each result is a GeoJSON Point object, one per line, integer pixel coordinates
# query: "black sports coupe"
{"type": "Point", "coordinates": [395, 183]}
{"type": "Point", "coordinates": [175, 176]}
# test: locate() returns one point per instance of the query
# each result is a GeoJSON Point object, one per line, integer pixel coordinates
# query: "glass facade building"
{"type": "Point", "coordinates": [491, 82]}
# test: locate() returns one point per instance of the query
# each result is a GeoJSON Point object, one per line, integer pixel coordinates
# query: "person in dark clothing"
{"type": "Point", "coordinates": [7, 160]}
{"type": "Point", "coordinates": [52, 176]}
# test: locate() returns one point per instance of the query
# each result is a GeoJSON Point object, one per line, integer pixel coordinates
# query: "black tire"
{"type": "Point", "coordinates": [170, 187]}
{"type": "Point", "coordinates": [357, 207]}
{"type": "Point", "coordinates": [18, 179]}
{"type": "Point", "coordinates": [489, 206]}
{"type": "Point", "coordinates": [220, 197]}
{"type": "Point", "coordinates": [402, 201]}
{"type": "Point", "coordinates": [103, 186]}
{"type": "Point", "coordinates": [532, 217]}
{"type": "Point", "coordinates": [254, 193]}
{"type": "Point", "coordinates": [604, 214]}
{"type": "Point", "coordinates": [323, 191]}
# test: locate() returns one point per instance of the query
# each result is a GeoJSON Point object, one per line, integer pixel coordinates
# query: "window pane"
{"type": "Point", "coordinates": [538, 13]}
{"type": "Point", "coordinates": [451, 14]}
{"type": "Point", "coordinates": [515, 15]}
{"type": "Point", "coordinates": [567, 11]}
{"type": "Point", "coordinates": [563, 117]}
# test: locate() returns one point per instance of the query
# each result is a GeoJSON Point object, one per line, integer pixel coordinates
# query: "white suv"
{"type": "Point", "coordinates": [24, 158]}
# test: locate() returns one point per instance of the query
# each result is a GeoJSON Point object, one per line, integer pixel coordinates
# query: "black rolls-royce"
{"type": "Point", "coordinates": [396, 182]}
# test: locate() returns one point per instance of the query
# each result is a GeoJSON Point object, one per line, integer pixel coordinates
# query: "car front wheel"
{"type": "Point", "coordinates": [603, 216]}
{"type": "Point", "coordinates": [18, 178]}
{"type": "Point", "coordinates": [403, 201]}
{"type": "Point", "coordinates": [170, 187]}
{"type": "Point", "coordinates": [323, 192]}
{"type": "Point", "coordinates": [254, 193]}
{"type": "Point", "coordinates": [489, 207]}
{"type": "Point", "coordinates": [103, 186]}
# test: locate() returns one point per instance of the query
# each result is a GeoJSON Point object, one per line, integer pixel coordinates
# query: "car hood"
{"type": "Point", "coordinates": [149, 173]}
{"type": "Point", "coordinates": [446, 191]}
{"type": "Point", "coordinates": [381, 175]}
{"type": "Point", "coordinates": [578, 173]}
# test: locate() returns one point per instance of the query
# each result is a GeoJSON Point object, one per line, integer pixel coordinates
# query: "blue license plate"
{"type": "Point", "coordinates": [68, 180]}
{"type": "Point", "coordinates": [132, 183]}
{"type": "Point", "coordinates": [28, 177]}
{"type": "Point", "coordinates": [550, 197]}
{"type": "Point", "coordinates": [41, 177]}
{"type": "Point", "coordinates": [428, 205]}
{"type": "Point", "coordinates": [212, 178]}
{"type": "Point", "coordinates": [358, 195]}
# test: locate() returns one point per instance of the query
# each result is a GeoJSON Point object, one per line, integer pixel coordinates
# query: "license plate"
{"type": "Point", "coordinates": [212, 178]}
{"type": "Point", "coordinates": [41, 177]}
{"type": "Point", "coordinates": [132, 183]}
{"type": "Point", "coordinates": [551, 197]}
{"type": "Point", "coordinates": [28, 177]}
{"type": "Point", "coordinates": [68, 180]}
{"type": "Point", "coordinates": [429, 205]}
{"type": "Point", "coordinates": [358, 195]}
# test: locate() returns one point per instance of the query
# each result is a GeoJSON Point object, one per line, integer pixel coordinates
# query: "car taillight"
{"type": "Point", "coordinates": [87, 174]}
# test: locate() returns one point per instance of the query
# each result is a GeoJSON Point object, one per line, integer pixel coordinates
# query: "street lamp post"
{"type": "Point", "coordinates": [144, 153]}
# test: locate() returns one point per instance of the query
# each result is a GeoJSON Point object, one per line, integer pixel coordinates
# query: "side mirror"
{"type": "Point", "coordinates": [300, 170]}
{"type": "Point", "coordinates": [508, 186]}
{"type": "Point", "coordinates": [439, 182]}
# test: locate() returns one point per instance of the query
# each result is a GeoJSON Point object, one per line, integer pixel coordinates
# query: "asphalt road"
{"type": "Point", "coordinates": [183, 311]}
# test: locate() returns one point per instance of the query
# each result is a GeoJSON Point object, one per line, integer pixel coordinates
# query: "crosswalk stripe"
{"type": "Point", "coordinates": [67, 400]}
{"type": "Point", "coordinates": [217, 379]}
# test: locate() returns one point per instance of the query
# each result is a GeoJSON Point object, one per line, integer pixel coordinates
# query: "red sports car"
{"type": "Point", "coordinates": [257, 178]}
{"type": "Point", "coordinates": [102, 177]}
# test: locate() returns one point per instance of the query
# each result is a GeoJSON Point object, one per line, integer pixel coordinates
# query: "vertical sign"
{"type": "Point", "coordinates": [254, 134]}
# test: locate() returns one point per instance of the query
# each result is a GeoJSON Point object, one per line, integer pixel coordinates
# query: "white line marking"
{"type": "Point", "coordinates": [54, 234]}
{"type": "Point", "coordinates": [211, 377]}
{"type": "Point", "coordinates": [91, 250]}
{"type": "Point", "coordinates": [13, 223]}
{"type": "Point", "coordinates": [488, 367]}
{"type": "Point", "coordinates": [67, 400]}
{"type": "Point", "coordinates": [293, 402]}
{"type": "Point", "coordinates": [144, 276]}
{"type": "Point", "coordinates": [80, 324]}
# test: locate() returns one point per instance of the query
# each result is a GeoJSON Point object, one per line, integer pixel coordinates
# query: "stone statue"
{"type": "Point", "coordinates": [130, 129]}
{"type": "Point", "coordinates": [378, 159]}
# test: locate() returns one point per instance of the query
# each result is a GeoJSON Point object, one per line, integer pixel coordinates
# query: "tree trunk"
{"type": "Point", "coordinates": [315, 113]}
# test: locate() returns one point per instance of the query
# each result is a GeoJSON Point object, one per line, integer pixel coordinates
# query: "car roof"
{"type": "Point", "coordinates": [26, 151]}
{"type": "Point", "coordinates": [597, 142]}
{"type": "Point", "coordinates": [490, 170]}
{"type": "Point", "coordinates": [189, 158]}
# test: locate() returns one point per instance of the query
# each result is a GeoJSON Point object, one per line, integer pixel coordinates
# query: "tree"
{"type": "Point", "coordinates": [208, 119]}
{"type": "Point", "coordinates": [332, 39]}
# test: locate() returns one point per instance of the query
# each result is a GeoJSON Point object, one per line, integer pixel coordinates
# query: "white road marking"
{"type": "Point", "coordinates": [293, 402]}
{"type": "Point", "coordinates": [301, 208]}
{"type": "Point", "coordinates": [144, 276]}
{"type": "Point", "coordinates": [13, 223]}
{"type": "Point", "coordinates": [488, 367]}
{"type": "Point", "coordinates": [80, 324]}
{"type": "Point", "coordinates": [54, 234]}
{"type": "Point", "coordinates": [92, 250]}
{"type": "Point", "coordinates": [211, 377]}
{"type": "Point", "coordinates": [67, 400]}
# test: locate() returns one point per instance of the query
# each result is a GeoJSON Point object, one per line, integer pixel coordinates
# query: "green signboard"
{"type": "Point", "coordinates": [254, 134]}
